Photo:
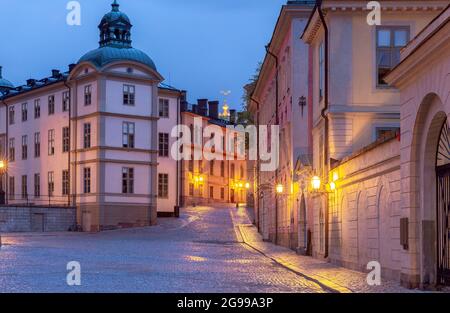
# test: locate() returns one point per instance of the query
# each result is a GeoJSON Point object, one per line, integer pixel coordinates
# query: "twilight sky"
{"type": "Point", "coordinates": [203, 46]}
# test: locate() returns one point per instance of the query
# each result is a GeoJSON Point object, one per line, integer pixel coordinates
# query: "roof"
{"type": "Point", "coordinates": [108, 54]}
{"type": "Point", "coordinates": [36, 84]}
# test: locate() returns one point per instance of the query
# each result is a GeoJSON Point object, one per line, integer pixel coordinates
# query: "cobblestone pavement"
{"type": "Point", "coordinates": [200, 252]}
{"type": "Point", "coordinates": [337, 278]}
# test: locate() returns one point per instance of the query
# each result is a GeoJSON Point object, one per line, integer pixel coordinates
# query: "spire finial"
{"type": "Point", "coordinates": [115, 6]}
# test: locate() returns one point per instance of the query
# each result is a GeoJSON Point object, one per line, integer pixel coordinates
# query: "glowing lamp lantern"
{"type": "Point", "coordinates": [2, 165]}
{"type": "Point", "coordinates": [335, 176]}
{"type": "Point", "coordinates": [201, 179]}
{"type": "Point", "coordinates": [332, 186]}
{"type": "Point", "coordinates": [247, 186]}
{"type": "Point", "coordinates": [315, 182]}
{"type": "Point", "coordinates": [280, 188]}
{"type": "Point", "coordinates": [241, 185]}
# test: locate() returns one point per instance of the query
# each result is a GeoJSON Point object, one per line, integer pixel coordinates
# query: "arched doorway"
{"type": "Point", "coordinates": [443, 206]}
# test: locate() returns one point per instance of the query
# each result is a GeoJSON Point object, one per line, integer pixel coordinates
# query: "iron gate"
{"type": "Point", "coordinates": [443, 230]}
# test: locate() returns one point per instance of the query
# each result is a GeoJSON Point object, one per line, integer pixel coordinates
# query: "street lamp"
{"type": "Point", "coordinates": [316, 183]}
{"type": "Point", "coordinates": [247, 185]}
{"type": "Point", "coordinates": [279, 189]}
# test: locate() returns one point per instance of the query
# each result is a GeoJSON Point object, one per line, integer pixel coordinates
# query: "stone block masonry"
{"type": "Point", "coordinates": [36, 219]}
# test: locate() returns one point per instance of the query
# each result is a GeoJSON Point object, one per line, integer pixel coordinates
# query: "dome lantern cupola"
{"type": "Point", "coordinates": [115, 28]}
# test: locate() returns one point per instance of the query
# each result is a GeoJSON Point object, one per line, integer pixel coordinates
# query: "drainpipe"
{"type": "Point", "coordinates": [256, 201]}
{"type": "Point", "coordinates": [178, 161]}
{"type": "Point", "coordinates": [70, 141]}
{"type": "Point", "coordinates": [277, 122]}
{"type": "Point", "coordinates": [324, 114]}
{"type": "Point", "coordinates": [6, 152]}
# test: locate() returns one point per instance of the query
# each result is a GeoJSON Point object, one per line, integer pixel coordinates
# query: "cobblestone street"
{"type": "Point", "coordinates": [200, 252]}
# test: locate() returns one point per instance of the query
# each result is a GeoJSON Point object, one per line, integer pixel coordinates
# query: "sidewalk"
{"type": "Point", "coordinates": [329, 276]}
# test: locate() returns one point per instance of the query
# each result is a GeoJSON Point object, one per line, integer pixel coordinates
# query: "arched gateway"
{"type": "Point", "coordinates": [443, 206]}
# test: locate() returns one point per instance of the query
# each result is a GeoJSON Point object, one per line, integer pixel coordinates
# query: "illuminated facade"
{"type": "Point", "coordinates": [222, 180]}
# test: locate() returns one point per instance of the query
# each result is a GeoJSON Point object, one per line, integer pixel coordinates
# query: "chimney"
{"type": "Point", "coordinates": [233, 116]}
{"type": "Point", "coordinates": [194, 108]}
{"type": "Point", "coordinates": [31, 82]}
{"type": "Point", "coordinates": [214, 109]}
{"type": "Point", "coordinates": [202, 106]}
{"type": "Point", "coordinates": [71, 67]}
{"type": "Point", "coordinates": [55, 73]}
{"type": "Point", "coordinates": [184, 105]}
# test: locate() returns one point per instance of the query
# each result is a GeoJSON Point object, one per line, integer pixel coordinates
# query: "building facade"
{"type": "Point", "coordinates": [214, 169]}
{"type": "Point", "coordinates": [280, 97]}
{"type": "Point", "coordinates": [423, 80]}
{"type": "Point", "coordinates": [89, 137]}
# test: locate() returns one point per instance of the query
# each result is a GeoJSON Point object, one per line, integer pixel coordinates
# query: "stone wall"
{"type": "Point", "coordinates": [364, 210]}
{"type": "Point", "coordinates": [36, 219]}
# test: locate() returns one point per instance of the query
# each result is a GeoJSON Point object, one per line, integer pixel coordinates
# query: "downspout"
{"type": "Point", "coordinates": [178, 159]}
{"type": "Point", "coordinates": [256, 201]}
{"type": "Point", "coordinates": [70, 142]}
{"type": "Point", "coordinates": [6, 153]}
{"type": "Point", "coordinates": [277, 122]}
{"type": "Point", "coordinates": [324, 114]}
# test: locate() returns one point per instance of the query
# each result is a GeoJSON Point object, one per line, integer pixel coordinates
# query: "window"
{"type": "Point", "coordinates": [163, 186]}
{"type": "Point", "coordinates": [12, 150]}
{"type": "Point", "coordinates": [24, 147]}
{"type": "Point", "coordinates": [87, 180]}
{"type": "Point", "coordinates": [321, 70]}
{"type": "Point", "coordinates": [127, 180]}
{"type": "Point", "coordinates": [211, 192]}
{"type": "Point", "coordinates": [87, 135]}
{"type": "Point", "coordinates": [87, 95]}
{"type": "Point", "coordinates": [65, 101]}
{"type": "Point", "coordinates": [164, 108]}
{"type": "Point", "coordinates": [37, 108]}
{"type": "Point", "coordinates": [191, 165]}
{"type": "Point", "coordinates": [382, 133]}
{"type": "Point", "coordinates": [51, 142]}
{"type": "Point", "coordinates": [390, 40]}
{"type": "Point", "coordinates": [66, 139]}
{"type": "Point", "coordinates": [232, 171]}
{"type": "Point", "coordinates": [51, 105]}
{"type": "Point", "coordinates": [65, 182]}
{"type": "Point", "coordinates": [51, 184]}
{"type": "Point", "coordinates": [242, 172]}
{"type": "Point", "coordinates": [211, 168]}
{"type": "Point", "coordinates": [37, 145]}
{"type": "Point", "coordinates": [24, 112]}
{"type": "Point", "coordinates": [37, 185]}
{"type": "Point", "coordinates": [222, 168]}
{"type": "Point", "coordinates": [128, 95]}
{"type": "Point", "coordinates": [200, 166]}
{"type": "Point", "coordinates": [11, 186]}
{"type": "Point", "coordinates": [163, 145]}
{"type": "Point", "coordinates": [200, 190]}
{"type": "Point", "coordinates": [11, 115]}
{"type": "Point", "coordinates": [128, 135]}
{"type": "Point", "coordinates": [191, 190]}
{"type": "Point", "coordinates": [222, 193]}
{"type": "Point", "coordinates": [24, 187]}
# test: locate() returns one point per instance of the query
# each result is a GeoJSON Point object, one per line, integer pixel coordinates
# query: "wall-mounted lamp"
{"type": "Point", "coordinates": [279, 189]}
{"type": "Point", "coordinates": [302, 102]}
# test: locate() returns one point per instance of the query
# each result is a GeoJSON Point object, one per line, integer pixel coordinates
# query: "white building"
{"type": "Point", "coordinates": [91, 137]}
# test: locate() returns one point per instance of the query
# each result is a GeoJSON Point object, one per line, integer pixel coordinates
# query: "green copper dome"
{"type": "Point", "coordinates": [5, 84]}
{"type": "Point", "coordinates": [115, 42]}
{"type": "Point", "coordinates": [104, 55]}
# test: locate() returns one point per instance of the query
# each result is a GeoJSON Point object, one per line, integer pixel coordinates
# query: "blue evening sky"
{"type": "Point", "coordinates": [203, 46]}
